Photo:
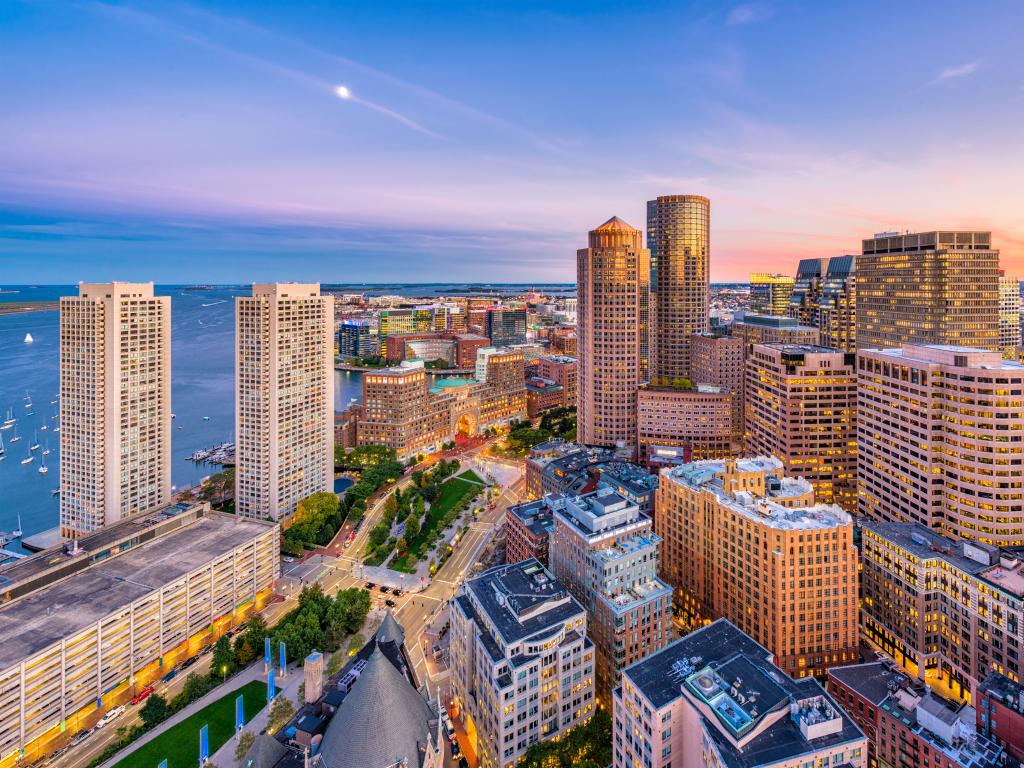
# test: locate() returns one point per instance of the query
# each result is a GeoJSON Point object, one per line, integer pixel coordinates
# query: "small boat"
{"type": "Point", "coordinates": [15, 437]}
{"type": "Point", "coordinates": [57, 428]}
{"type": "Point", "coordinates": [206, 418]}
{"type": "Point", "coordinates": [16, 533]}
{"type": "Point", "coordinates": [43, 469]}
{"type": "Point", "coordinates": [46, 450]}
{"type": "Point", "coordinates": [34, 446]}
{"type": "Point", "coordinates": [28, 338]}
{"type": "Point", "coordinates": [28, 459]}
{"type": "Point", "coordinates": [43, 427]}
{"type": "Point", "coordinates": [55, 492]}
{"type": "Point", "coordinates": [2, 449]}
{"type": "Point", "coordinates": [174, 415]}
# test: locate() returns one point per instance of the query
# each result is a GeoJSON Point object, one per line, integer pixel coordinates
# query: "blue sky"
{"type": "Point", "coordinates": [480, 141]}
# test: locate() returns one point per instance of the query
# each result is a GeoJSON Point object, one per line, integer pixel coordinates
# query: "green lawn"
{"type": "Point", "coordinates": [180, 744]}
{"type": "Point", "coordinates": [452, 491]}
{"type": "Point", "coordinates": [470, 475]}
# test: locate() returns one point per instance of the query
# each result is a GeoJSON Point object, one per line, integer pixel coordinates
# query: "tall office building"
{"type": "Point", "coordinates": [505, 326]}
{"type": "Point", "coordinates": [613, 285]}
{"type": "Point", "coordinates": [837, 306]}
{"type": "Point", "coordinates": [603, 549]}
{"type": "Point", "coordinates": [928, 288]}
{"type": "Point", "coordinates": [770, 293]}
{"type": "Point", "coordinates": [939, 438]}
{"type": "Point", "coordinates": [678, 237]}
{"type": "Point", "coordinates": [284, 398]}
{"type": "Point", "coordinates": [743, 541]}
{"type": "Point", "coordinates": [115, 404]}
{"type": "Point", "coordinates": [801, 406]}
{"type": "Point", "coordinates": [806, 295]}
{"type": "Point", "coordinates": [1009, 316]}
{"type": "Point", "coordinates": [718, 361]}
{"type": "Point", "coordinates": [716, 699]}
{"type": "Point", "coordinates": [522, 663]}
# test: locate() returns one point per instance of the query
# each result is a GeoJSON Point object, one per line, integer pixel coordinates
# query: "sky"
{"type": "Point", "coordinates": [480, 141]}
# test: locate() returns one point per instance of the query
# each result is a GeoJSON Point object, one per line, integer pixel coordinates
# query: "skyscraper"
{"type": "Point", "coordinates": [284, 398]}
{"type": "Point", "coordinates": [939, 440]}
{"type": "Point", "coordinates": [1009, 316]}
{"type": "Point", "coordinates": [801, 406]}
{"type": "Point", "coordinates": [928, 288]}
{"type": "Point", "coordinates": [770, 293]}
{"type": "Point", "coordinates": [837, 306]}
{"type": "Point", "coordinates": [505, 326]}
{"type": "Point", "coordinates": [806, 295]}
{"type": "Point", "coordinates": [115, 405]}
{"type": "Point", "coordinates": [613, 283]}
{"type": "Point", "coordinates": [678, 237]}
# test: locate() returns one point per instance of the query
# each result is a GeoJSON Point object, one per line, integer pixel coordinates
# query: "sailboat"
{"type": "Point", "coordinates": [2, 449]}
{"type": "Point", "coordinates": [43, 469]}
{"type": "Point", "coordinates": [35, 442]}
{"type": "Point", "coordinates": [46, 448]}
{"type": "Point", "coordinates": [28, 338]}
{"type": "Point", "coordinates": [10, 421]}
{"type": "Point", "coordinates": [28, 459]}
{"type": "Point", "coordinates": [15, 437]}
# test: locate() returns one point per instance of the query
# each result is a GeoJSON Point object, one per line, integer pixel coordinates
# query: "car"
{"type": "Point", "coordinates": [397, 593]}
{"type": "Point", "coordinates": [463, 763]}
{"type": "Point", "coordinates": [169, 676]}
{"type": "Point", "coordinates": [288, 559]}
{"type": "Point", "coordinates": [81, 736]}
{"type": "Point", "coordinates": [143, 694]}
{"type": "Point", "coordinates": [189, 661]}
{"type": "Point", "coordinates": [384, 588]}
{"type": "Point", "coordinates": [456, 753]}
{"type": "Point", "coordinates": [390, 603]}
{"type": "Point", "coordinates": [368, 585]}
{"type": "Point", "coordinates": [111, 716]}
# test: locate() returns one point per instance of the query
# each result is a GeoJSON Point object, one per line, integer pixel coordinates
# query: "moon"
{"type": "Point", "coordinates": [342, 92]}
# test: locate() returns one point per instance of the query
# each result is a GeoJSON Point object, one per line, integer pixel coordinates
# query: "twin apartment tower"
{"type": "Point", "coordinates": [115, 401]}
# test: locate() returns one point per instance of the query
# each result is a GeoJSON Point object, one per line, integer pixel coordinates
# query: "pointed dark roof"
{"type": "Point", "coordinates": [265, 752]}
{"type": "Point", "coordinates": [383, 721]}
{"type": "Point", "coordinates": [390, 630]}
{"type": "Point", "coordinates": [615, 224]}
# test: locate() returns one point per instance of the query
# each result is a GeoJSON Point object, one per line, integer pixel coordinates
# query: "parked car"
{"type": "Point", "coordinates": [384, 588]}
{"type": "Point", "coordinates": [288, 559]}
{"type": "Point", "coordinates": [111, 716]}
{"type": "Point", "coordinates": [456, 753]}
{"type": "Point", "coordinates": [143, 694]}
{"type": "Point", "coordinates": [190, 661]}
{"type": "Point", "coordinates": [81, 736]}
{"type": "Point", "coordinates": [463, 763]}
{"type": "Point", "coordinates": [368, 585]}
{"type": "Point", "coordinates": [397, 593]}
{"type": "Point", "coordinates": [169, 676]}
{"type": "Point", "coordinates": [390, 603]}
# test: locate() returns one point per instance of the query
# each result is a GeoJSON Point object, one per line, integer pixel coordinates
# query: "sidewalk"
{"type": "Point", "coordinates": [225, 756]}
{"type": "Point", "coordinates": [253, 672]}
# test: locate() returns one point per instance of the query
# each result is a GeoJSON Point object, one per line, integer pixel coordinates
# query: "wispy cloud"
{"type": "Point", "coordinates": [955, 72]}
{"type": "Point", "coordinates": [748, 13]}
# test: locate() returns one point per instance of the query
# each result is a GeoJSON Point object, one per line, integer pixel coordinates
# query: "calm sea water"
{"type": "Point", "coordinates": [203, 380]}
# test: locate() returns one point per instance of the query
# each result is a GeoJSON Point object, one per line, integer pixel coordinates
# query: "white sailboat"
{"type": "Point", "coordinates": [10, 421]}
{"type": "Point", "coordinates": [15, 437]}
{"type": "Point", "coordinates": [43, 469]}
{"type": "Point", "coordinates": [35, 442]}
{"type": "Point", "coordinates": [28, 338]}
{"type": "Point", "coordinates": [2, 449]}
{"type": "Point", "coordinates": [46, 448]}
{"type": "Point", "coordinates": [28, 459]}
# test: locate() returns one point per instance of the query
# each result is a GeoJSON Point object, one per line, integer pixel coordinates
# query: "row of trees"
{"type": "Point", "coordinates": [587, 746]}
{"type": "Point", "coordinates": [321, 622]}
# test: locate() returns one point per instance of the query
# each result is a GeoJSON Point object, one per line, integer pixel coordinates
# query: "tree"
{"type": "Point", "coordinates": [379, 534]}
{"type": "Point", "coordinates": [281, 711]}
{"type": "Point", "coordinates": [154, 711]}
{"type": "Point", "coordinates": [245, 741]}
{"type": "Point", "coordinates": [588, 746]}
{"type": "Point", "coordinates": [402, 545]}
{"type": "Point", "coordinates": [244, 652]}
{"type": "Point", "coordinates": [412, 527]}
{"type": "Point", "coordinates": [223, 662]}
{"type": "Point", "coordinates": [195, 686]}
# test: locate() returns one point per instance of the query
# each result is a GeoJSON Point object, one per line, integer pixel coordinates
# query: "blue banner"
{"type": "Point", "coordinates": [266, 651]}
{"type": "Point", "coordinates": [283, 662]}
{"type": "Point", "coordinates": [239, 713]}
{"type": "Point", "coordinates": [270, 686]}
{"type": "Point", "coordinates": [204, 745]}
{"type": "Point", "coordinates": [163, 763]}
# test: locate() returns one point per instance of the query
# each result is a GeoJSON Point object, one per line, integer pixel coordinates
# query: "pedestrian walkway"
{"type": "Point", "coordinates": [225, 756]}
{"type": "Point", "coordinates": [250, 673]}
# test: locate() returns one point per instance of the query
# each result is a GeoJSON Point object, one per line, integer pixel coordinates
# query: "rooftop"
{"type": "Point", "coordinates": [872, 682]}
{"type": "Point", "coordinates": [537, 516]}
{"type": "Point", "coordinates": [952, 356]}
{"type": "Point", "coordinates": [45, 616]}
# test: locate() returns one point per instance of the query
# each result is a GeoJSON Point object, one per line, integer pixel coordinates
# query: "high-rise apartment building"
{"type": "Point", "coordinates": [837, 306]}
{"type": "Point", "coordinates": [948, 611]}
{"type": "Point", "coordinates": [770, 293]}
{"type": "Point", "coordinates": [115, 404]}
{"type": "Point", "coordinates": [522, 664]}
{"type": "Point", "coordinates": [718, 361]}
{"type": "Point", "coordinates": [505, 326]}
{"type": "Point", "coordinates": [801, 406]}
{"type": "Point", "coordinates": [744, 542]}
{"type": "Point", "coordinates": [940, 440]}
{"type": "Point", "coordinates": [806, 294]}
{"type": "Point", "coordinates": [928, 288]}
{"type": "Point", "coordinates": [603, 549]}
{"type": "Point", "coordinates": [716, 699]}
{"type": "Point", "coordinates": [1009, 316]}
{"type": "Point", "coordinates": [678, 238]}
{"type": "Point", "coordinates": [284, 398]}
{"type": "Point", "coordinates": [613, 285]}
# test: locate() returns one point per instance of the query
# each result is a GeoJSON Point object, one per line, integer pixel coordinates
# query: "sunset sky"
{"type": "Point", "coordinates": [481, 140]}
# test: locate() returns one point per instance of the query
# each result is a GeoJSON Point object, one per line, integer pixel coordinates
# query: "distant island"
{"type": "Point", "coordinates": [21, 307]}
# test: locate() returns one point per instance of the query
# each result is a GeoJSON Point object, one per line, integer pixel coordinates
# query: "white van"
{"type": "Point", "coordinates": [111, 716]}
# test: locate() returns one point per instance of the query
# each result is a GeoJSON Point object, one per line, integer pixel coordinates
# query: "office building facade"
{"type": "Point", "coordinates": [770, 293]}
{"type": "Point", "coordinates": [1009, 317]}
{"type": "Point", "coordinates": [505, 326]}
{"type": "Point", "coordinates": [928, 288]}
{"type": "Point", "coordinates": [718, 361]}
{"type": "Point", "coordinates": [115, 404]}
{"type": "Point", "coordinates": [679, 241]}
{"type": "Point", "coordinates": [744, 542]}
{"type": "Point", "coordinates": [356, 338]}
{"type": "Point", "coordinates": [806, 295]}
{"type": "Point", "coordinates": [837, 307]}
{"type": "Point", "coordinates": [801, 406]}
{"type": "Point", "coordinates": [284, 398]}
{"type": "Point", "coordinates": [675, 426]}
{"type": "Point", "coordinates": [613, 283]}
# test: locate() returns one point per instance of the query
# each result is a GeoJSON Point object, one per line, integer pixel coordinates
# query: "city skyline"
{"type": "Point", "coordinates": [209, 142]}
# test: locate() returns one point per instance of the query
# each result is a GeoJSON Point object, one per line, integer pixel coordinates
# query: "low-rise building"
{"type": "Point", "coordinates": [86, 626]}
{"type": "Point", "coordinates": [948, 611]}
{"type": "Point", "coordinates": [773, 329]}
{"type": "Point", "coordinates": [560, 369]}
{"type": "Point", "coordinates": [528, 528]}
{"type": "Point", "coordinates": [603, 549]}
{"type": "Point", "coordinates": [522, 664]}
{"type": "Point", "coordinates": [1000, 707]}
{"type": "Point", "coordinates": [542, 394]}
{"type": "Point", "coordinates": [715, 699]}
{"type": "Point", "coordinates": [744, 542]}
